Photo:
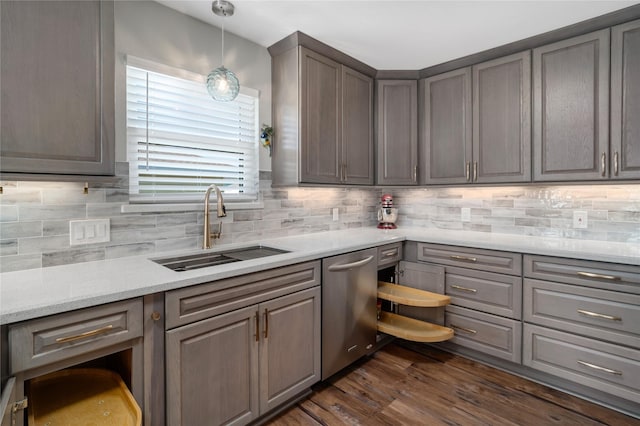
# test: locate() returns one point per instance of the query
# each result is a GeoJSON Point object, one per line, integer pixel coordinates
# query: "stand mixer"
{"type": "Point", "coordinates": [387, 214]}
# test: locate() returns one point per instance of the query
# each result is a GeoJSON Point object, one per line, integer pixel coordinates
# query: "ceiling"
{"type": "Point", "coordinates": [399, 35]}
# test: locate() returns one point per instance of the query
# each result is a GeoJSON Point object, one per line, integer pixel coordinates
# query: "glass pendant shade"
{"type": "Point", "coordinates": [222, 84]}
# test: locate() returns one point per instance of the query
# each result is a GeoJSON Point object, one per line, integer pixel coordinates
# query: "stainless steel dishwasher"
{"type": "Point", "coordinates": [349, 294]}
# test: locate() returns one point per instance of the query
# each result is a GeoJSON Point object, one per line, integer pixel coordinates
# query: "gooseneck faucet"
{"type": "Point", "coordinates": [222, 212]}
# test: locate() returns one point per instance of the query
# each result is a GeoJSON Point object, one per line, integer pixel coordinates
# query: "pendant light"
{"type": "Point", "coordinates": [222, 84]}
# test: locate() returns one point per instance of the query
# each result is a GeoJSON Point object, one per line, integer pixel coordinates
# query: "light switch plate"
{"type": "Point", "coordinates": [465, 214]}
{"type": "Point", "coordinates": [89, 231]}
{"type": "Point", "coordinates": [580, 219]}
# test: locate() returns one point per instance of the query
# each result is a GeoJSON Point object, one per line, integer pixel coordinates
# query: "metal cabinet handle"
{"type": "Point", "coordinates": [615, 163]}
{"type": "Point", "coordinates": [155, 316]}
{"type": "Point", "coordinates": [463, 258]}
{"type": "Point", "coordinates": [391, 253]}
{"type": "Point", "coordinates": [603, 159]}
{"type": "Point", "coordinates": [84, 335]}
{"type": "Point", "coordinates": [597, 367]}
{"type": "Point", "coordinates": [599, 276]}
{"type": "Point", "coordinates": [475, 171]}
{"type": "Point", "coordinates": [463, 329]}
{"type": "Point", "coordinates": [468, 170]}
{"type": "Point", "coordinates": [415, 173]}
{"type": "Point", "coordinates": [266, 323]}
{"type": "Point", "coordinates": [597, 315]}
{"type": "Point", "coordinates": [467, 289]}
{"type": "Point", "coordinates": [345, 266]}
{"type": "Point", "coordinates": [257, 326]}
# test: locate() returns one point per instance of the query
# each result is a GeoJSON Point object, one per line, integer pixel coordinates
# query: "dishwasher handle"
{"type": "Point", "coordinates": [346, 266]}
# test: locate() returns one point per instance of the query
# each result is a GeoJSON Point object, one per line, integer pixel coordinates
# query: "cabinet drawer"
{"type": "Point", "coordinates": [610, 276]}
{"type": "Point", "coordinates": [486, 260]}
{"type": "Point", "coordinates": [202, 301]}
{"type": "Point", "coordinates": [609, 368]}
{"type": "Point", "coordinates": [599, 314]}
{"type": "Point", "coordinates": [493, 293]}
{"type": "Point", "coordinates": [389, 254]}
{"type": "Point", "coordinates": [496, 336]}
{"type": "Point", "coordinates": [42, 341]}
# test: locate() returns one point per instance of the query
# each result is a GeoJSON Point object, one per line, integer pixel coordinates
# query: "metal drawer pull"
{"type": "Point", "coordinates": [463, 258]}
{"type": "Point", "coordinates": [464, 329]}
{"type": "Point", "coordinates": [266, 323]}
{"type": "Point", "coordinates": [468, 170]}
{"type": "Point", "coordinates": [601, 276]}
{"type": "Point", "coordinates": [475, 171]}
{"type": "Point", "coordinates": [346, 266]}
{"type": "Point", "coordinates": [616, 166]}
{"type": "Point", "coordinates": [597, 367]}
{"type": "Point", "coordinates": [470, 290]}
{"type": "Point", "coordinates": [85, 334]}
{"type": "Point", "coordinates": [391, 253]}
{"type": "Point", "coordinates": [597, 315]}
{"type": "Point", "coordinates": [604, 163]}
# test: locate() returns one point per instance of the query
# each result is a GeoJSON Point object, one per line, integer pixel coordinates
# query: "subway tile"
{"type": "Point", "coordinates": [72, 196]}
{"type": "Point", "coordinates": [50, 212]}
{"type": "Point", "coordinates": [116, 195]}
{"type": "Point", "coordinates": [20, 229]}
{"type": "Point", "coordinates": [103, 210]}
{"type": "Point", "coordinates": [78, 255]}
{"type": "Point", "coordinates": [135, 249]}
{"type": "Point", "coordinates": [133, 222]}
{"type": "Point", "coordinates": [8, 213]}
{"type": "Point", "coordinates": [14, 195]}
{"type": "Point", "coordinates": [20, 262]}
{"type": "Point", "coordinates": [8, 247]}
{"type": "Point", "coordinates": [43, 244]}
{"type": "Point", "coordinates": [621, 216]}
{"type": "Point", "coordinates": [179, 244]}
{"type": "Point", "coordinates": [246, 215]}
{"type": "Point", "coordinates": [55, 227]}
{"type": "Point", "coordinates": [173, 219]}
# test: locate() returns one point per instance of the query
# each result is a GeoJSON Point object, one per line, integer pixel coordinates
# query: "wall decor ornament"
{"type": "Point", "coordinates": [266, 134]}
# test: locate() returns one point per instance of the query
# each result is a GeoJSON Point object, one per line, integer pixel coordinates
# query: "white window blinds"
{"type": "Point", "coordinates": [180, 141]}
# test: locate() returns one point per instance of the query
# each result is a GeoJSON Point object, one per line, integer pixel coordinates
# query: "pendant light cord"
{"type": "Point", "coordinates": [222, 58]}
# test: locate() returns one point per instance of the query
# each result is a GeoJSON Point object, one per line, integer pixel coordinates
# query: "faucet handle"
{"type": "Point", "coordinates": [218, 233]}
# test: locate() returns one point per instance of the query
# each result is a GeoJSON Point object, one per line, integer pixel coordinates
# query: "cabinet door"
{"type": "Point", "coordinates": [7, 399]}
{"type": "Point", "coordinates": [212, 370]}
{"type": "Point", "coordinates": [446, 128]}
{"type": "Point", "coordinates": [320, 118]}
{"type": "Point", "coordinates": [357, 127]}
{"type": "Point", "coordinates": [571, 108]}
{"type": "Point", "coordinates": [502, 120]}
{"type": "Point", "coordinates": [423, 276]}
{"type": "Point", "coordinates": [290, 348]}
{"type": "Point", "coordinates": [397, 137]}
{"type": "Point", "coordinates": [57, 87]}
{"type": "Point", "coordinates": [625, 101]}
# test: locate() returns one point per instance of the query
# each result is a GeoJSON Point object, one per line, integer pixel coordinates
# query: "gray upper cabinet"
{"type": "Point", "coordinates": [320, 118]}
{"type": "Point", "coordinates": [57, 87]}
{"type": "Point", "coordinates": [625, 101]}
{"type": "Point", "coordinates": [446, 128]}
{"type": "Point", "coordinates": [484, 141]}
{"type": "Point", "coordinates": [357, 127]}
{"type": "Point", "coordinates": [571, 109]}
{"type": "Point", "coordinates": [323, 113]}
{"type": "Point", "coordinates": [502, 120]}
{"type": "Point", "coordinates": [397, 132]}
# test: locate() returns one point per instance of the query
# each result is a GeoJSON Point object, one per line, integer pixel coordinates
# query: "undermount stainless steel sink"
{"type": "Point", "coordinates": [203, 260]}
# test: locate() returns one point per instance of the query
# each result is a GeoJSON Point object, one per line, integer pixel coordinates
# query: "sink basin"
{"type": "Point", "coordinates": [203, 260]}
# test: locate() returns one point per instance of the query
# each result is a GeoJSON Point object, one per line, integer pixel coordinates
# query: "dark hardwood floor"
{"type": "Point", "coordinates": [397, 386]}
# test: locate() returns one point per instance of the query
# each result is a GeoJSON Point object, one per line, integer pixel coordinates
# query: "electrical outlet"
{"type": "Point", "coordinates": [465, 214]}
{"type": "Point", "coordinates": [89, 231]}
{"type": "Point", "coordinates": [336, 214]}
{"type": "Point", "coordinates": [580, 219]}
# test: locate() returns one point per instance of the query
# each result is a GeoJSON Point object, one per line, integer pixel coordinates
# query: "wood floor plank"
{"type": "Point", "coordinates": [407, 386]}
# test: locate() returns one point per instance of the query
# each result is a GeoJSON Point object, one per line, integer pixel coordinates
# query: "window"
{"type": "Point", "coordinates": [180, 141]}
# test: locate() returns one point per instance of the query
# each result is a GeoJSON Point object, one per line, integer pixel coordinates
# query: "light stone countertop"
{"type": "Point", "coordinates": [40, 292]}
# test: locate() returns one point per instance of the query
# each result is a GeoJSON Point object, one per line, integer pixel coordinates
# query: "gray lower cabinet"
{"type": "Point", "coordinates": [571, 109]}
{"type": "Point", "coordinates": [240, 347]}
{"type": "Point", "coordinates": [610, 368]}
{"type": "Point", "coordinates": [476, 123]}
{"type": "Point", "coordinates": [57, 87]}
{"type": "Point", "coordinates": [625, 101]}
{"type": "Point", "coordinates": [107, 336]}
{"type": "Point", "coordinates": [397, 132]}
{"type": "Point", "coordinates": [323, 111]}
{"type": "Point", "coordinates": [7, 401]}
{"type": "Point", "coordinates": [422, 276]}
{"type": "Point", "coordinates": [232, 368]}
{"type": "Point", "coordinates": [581, 323]}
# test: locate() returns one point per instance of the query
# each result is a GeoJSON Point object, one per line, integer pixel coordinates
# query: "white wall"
{"type": "Point", "coordinates": [151, 31]}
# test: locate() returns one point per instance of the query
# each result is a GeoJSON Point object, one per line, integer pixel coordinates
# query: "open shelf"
{"type": "Point", "coordinates": [411, 296]}
{"type": "Point", "coordinates": [412, 329]}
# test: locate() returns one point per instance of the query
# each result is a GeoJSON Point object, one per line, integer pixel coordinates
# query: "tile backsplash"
{"type": "Point", "coordinates": [34, 216]}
